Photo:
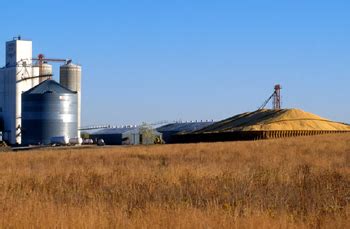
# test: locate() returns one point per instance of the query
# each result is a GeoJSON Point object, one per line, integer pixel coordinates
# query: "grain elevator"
{"type": "Point", "coordinates": [22, 73]}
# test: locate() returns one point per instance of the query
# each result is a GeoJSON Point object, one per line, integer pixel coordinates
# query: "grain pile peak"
{"type": "Point", "coordinates": [269, 120]}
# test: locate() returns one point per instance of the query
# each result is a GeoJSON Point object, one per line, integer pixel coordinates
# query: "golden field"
{"type": "Point", "coordinates": [299, 182]}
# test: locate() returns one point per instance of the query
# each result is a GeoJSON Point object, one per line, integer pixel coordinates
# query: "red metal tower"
{"type": "Point", "coordinates": [276, 103]}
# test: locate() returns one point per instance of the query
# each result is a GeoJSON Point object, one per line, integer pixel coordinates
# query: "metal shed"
{"type": "Point", "coordinates": [124, 136]}
{"type": "Point", "coordinates": [169, 131]}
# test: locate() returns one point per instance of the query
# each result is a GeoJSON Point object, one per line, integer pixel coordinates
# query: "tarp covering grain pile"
{"type": "Point", "coordinates": [264, 124]}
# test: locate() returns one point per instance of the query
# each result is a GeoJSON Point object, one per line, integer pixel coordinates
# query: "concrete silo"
{"type": "Point", "coordinates": [16, 77]}
{"type": "Point", "coordinates": [48, 110]}
{"type": "Point", "coordinates": [45, 72]}
{"type": "Point", "coordinates": [70, 77]}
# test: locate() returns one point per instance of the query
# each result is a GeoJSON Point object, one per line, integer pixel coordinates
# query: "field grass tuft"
{"type": "Point", "coordinates": [296, 183]}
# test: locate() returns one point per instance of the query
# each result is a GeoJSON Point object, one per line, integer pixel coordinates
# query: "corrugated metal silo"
{"type": "Point", "coordinates": [70, 77]}
{"type": "Point", "coordinates": [48, 110]}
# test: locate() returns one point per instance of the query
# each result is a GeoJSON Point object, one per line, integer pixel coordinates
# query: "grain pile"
{"type": "Point", "coordinates": [276, 120]}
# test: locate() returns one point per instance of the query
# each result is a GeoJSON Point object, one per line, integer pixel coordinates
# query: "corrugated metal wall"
{"type": "Point", "coordinates": [48, 115]}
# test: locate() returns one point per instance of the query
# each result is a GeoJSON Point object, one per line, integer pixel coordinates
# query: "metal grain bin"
{"type": "Point", "coordinates": [48, 110]}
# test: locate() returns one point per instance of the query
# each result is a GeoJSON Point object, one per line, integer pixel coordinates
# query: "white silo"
{"type": "Point", "coordinates": [70, 77]}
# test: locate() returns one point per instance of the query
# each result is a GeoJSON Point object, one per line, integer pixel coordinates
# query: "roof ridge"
{"type": "Point", "coordinates": [47, 85]}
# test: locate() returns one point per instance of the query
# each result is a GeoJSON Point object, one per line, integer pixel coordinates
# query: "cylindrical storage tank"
{"type": "Point", "coordinates": [48, 110]}
{"type": "Point", "coordinates": [75, 141]}
{"type": "Point", "coordinates": [45, 71]}
{"type": "Point", "coordinates": [70, 77]}
{"type": "Point", "coordinates": [35, 74]}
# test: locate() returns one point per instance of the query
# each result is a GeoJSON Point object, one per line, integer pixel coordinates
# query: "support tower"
{"type": "Point", "coordinates": [277, 97]}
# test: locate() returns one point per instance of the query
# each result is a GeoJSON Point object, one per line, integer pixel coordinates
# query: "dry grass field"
{"type": "Point", "coordinates": [288, 183]}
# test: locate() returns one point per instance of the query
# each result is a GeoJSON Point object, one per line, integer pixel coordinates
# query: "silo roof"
{"type": "Point", "coordinates": [184, 127]}
{"type": "Point", "coordinates": [49, 86]}
{"type": "Point", "coordinates": [70, 65]}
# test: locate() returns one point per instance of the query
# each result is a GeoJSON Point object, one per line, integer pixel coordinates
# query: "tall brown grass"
{"type": "Point", "coordinates": [287, 183]}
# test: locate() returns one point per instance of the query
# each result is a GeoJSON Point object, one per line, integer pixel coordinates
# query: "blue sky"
{"type": "Point", "coordinates": [151, 60]}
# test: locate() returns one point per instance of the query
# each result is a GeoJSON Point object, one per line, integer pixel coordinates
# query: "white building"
{"type": "Point", "coordinates": [18, 76]}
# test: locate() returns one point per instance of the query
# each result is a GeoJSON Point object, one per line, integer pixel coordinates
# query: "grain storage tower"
{"type": "Point", "coordinates": [45, 71]}
{"type": "Point", "coordinates": [17, 76]}
{"type": "Point", "coordinates": [20, 75]}
{"type": "Point", "coordinates": [70, 77]}
{"type": "Point", "coordinates": [48, 110]}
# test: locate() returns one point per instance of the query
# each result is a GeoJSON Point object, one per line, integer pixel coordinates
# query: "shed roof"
{"type": "Point", "coordinates": [184, 127]}
{"type": "Point", "coordinates": [115, 130]}
{"type": "Point", "coordinates": [119, 131]}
